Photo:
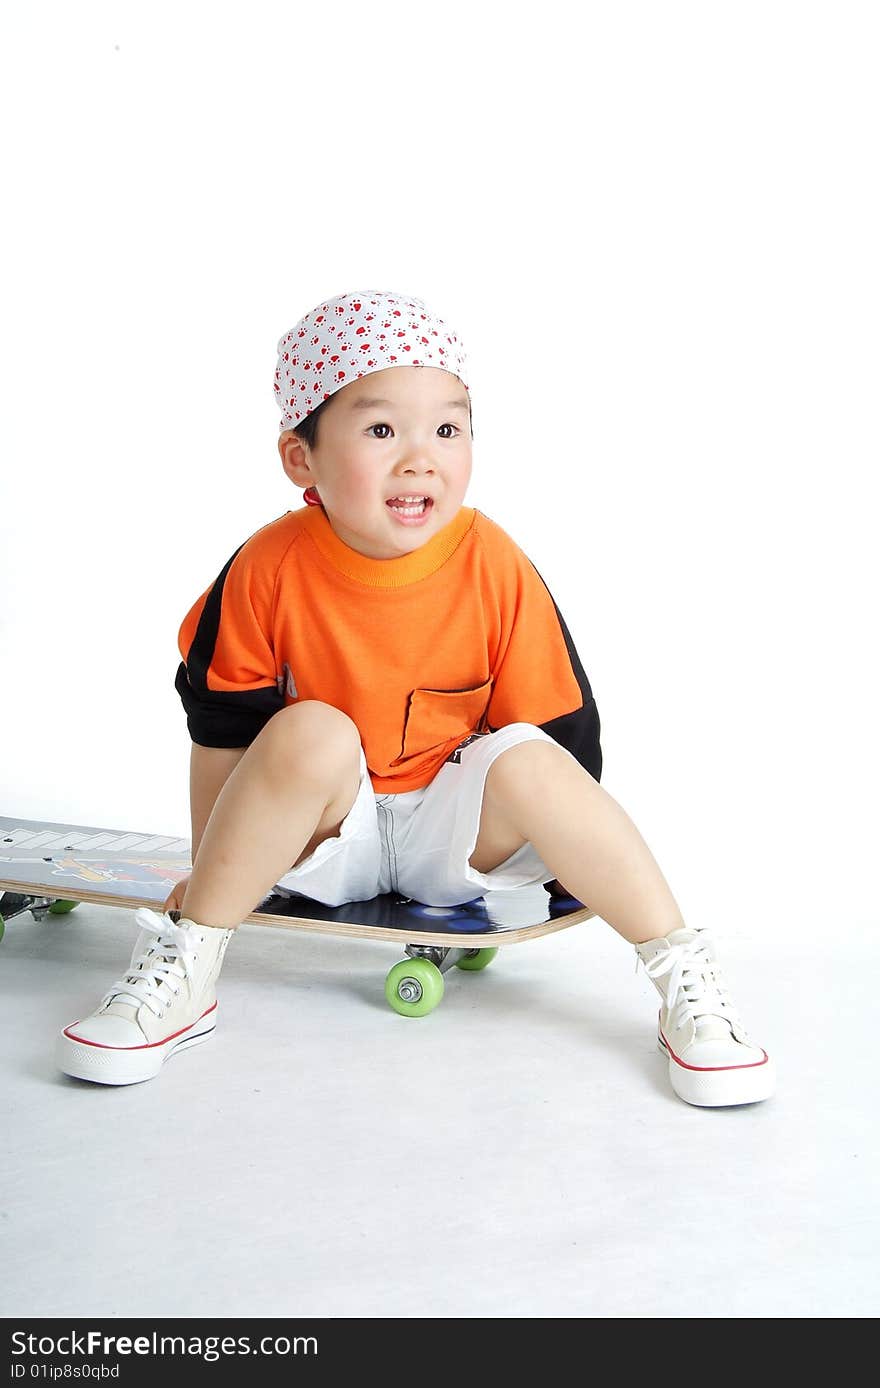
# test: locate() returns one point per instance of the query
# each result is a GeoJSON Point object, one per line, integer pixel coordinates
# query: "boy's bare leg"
{"type": "Point", "coordinates": [583, 835]}
{"type": "Point", "coordinates": [537, 792]}
{"type": "Point", "coordinates": [291, 790]}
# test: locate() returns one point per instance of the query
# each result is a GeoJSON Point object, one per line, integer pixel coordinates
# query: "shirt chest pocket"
{"type": "Point", "coordinates": [438, 716]}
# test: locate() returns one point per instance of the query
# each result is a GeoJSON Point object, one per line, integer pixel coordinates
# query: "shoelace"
{"type": "Point", "coordinates": [168, 957]}
{"type": "Point", "coordinates": [695, 988]}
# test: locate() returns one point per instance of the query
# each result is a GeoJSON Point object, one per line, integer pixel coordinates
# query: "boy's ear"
{"type": "Point", "coordinates": [293, 458]}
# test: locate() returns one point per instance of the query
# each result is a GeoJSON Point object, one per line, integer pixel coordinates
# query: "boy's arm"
{"type": "Point", "coordinates": [227, 680]}
{"type": "Point", "coordinates": [209, 770]}
{"type": "Point", "coordinates": [538, 677]}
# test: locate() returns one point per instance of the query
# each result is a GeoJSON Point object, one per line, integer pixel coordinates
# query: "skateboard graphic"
{"type": "Point", "coordinates": [48, 868]}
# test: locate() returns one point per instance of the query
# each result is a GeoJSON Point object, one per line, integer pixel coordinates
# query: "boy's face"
{"type": "Point", "coordinates": [416, 444]}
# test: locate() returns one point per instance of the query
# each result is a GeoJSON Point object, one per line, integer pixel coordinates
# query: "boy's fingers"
{"type": "Point", "coordinates": [174, 900]}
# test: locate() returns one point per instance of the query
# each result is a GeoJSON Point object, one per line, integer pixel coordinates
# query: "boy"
{"type": "Point", "coordinates": [383, 696]}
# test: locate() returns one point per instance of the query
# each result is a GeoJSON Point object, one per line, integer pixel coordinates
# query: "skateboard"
{"type": "Point", "coordinates": [49, 868]}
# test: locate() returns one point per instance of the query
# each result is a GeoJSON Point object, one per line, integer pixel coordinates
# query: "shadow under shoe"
{"type": "Point", "coordinates": [712, 1061]}
{"type": "Point", "coordinates": [164, 1003]}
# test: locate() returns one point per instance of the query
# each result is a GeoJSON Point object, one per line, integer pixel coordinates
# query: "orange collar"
{"type": "Point", "coordinates": [386, 573]}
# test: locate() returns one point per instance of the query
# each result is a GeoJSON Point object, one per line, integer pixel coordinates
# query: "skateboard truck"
{"type": "Point", "coordinates": [14, 903]}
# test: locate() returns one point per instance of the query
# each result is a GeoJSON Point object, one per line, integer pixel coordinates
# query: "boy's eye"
{"type": "Point", "coordinates": [388, 426]}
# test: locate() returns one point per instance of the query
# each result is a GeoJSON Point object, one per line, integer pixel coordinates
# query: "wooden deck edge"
{"type": "Point", "coordinates": [499, 935]}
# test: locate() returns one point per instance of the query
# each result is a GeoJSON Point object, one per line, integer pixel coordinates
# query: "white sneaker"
{"type": "Point", "coordinates": [712, 1062]}
{"type": "Point", "coordinates": [164, 1003]}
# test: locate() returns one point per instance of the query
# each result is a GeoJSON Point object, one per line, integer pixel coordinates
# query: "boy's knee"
{"type": "Point", "coordinates": [314, 726]}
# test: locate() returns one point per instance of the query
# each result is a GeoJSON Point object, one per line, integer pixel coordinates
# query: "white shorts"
{"type": "Point", "coordinates": [418, 842]}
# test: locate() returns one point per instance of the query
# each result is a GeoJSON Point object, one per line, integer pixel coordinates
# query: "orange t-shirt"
{"type": "Point", "coordinates": [459, 636]}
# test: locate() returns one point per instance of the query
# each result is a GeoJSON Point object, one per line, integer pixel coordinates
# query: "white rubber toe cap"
{"type": "Point", "coordinates": [106, 1030]}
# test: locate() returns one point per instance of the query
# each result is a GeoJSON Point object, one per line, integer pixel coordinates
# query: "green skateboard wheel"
{"type": "Point", "coordinates": [61, 908]}
{"type": "Point", "coordinates": [414, 987]}
{"type": "Point", "coordinates": [478, 960]}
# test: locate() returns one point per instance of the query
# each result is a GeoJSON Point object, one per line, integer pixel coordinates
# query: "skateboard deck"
{"type": "Point", "coordinates": [48, 867]}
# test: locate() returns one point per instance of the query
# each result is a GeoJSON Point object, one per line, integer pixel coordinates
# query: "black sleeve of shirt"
{"type": "Point", "coordinates": [579, 731]}
{"type": "Point", "coordinates": [225, 718]}
{"type": "Point", "coordinates": [220, 718]}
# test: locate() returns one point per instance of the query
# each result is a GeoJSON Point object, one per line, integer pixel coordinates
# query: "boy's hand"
{"type": "Point", "coordinates": [174, 901]}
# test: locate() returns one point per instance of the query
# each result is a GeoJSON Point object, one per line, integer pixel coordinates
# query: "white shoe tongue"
{"type": "Point", "coordinates": [117, 1007]}
{"type": "Point", "coordinates": [712, 1029]}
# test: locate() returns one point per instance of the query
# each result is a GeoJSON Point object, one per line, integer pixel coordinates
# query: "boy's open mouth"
{"type": "Point", "coordinates": [410, 505]}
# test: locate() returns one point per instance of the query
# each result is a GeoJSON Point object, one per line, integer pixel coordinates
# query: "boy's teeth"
{"type": "Point", "coordinates": [408, 506]}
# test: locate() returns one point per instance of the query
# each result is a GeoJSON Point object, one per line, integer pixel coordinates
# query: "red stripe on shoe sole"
{"type": "Point", "coordinates": [707, 1069]}
{"type": "Point", "coordinates": [148, 1046]}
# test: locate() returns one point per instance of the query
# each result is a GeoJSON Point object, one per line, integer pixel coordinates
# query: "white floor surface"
{"type": "Point", "coordinates": [517, 1153]}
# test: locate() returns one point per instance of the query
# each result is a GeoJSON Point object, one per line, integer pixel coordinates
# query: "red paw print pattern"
{"type": "Point", "coordinates": [355, 332]}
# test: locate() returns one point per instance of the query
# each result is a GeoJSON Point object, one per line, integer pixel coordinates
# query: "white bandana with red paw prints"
{"type": "Point", "coordinates": [352, 335]}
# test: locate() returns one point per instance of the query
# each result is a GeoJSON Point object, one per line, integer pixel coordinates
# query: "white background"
{"type": "Point", "coordinates": [657, 237]}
